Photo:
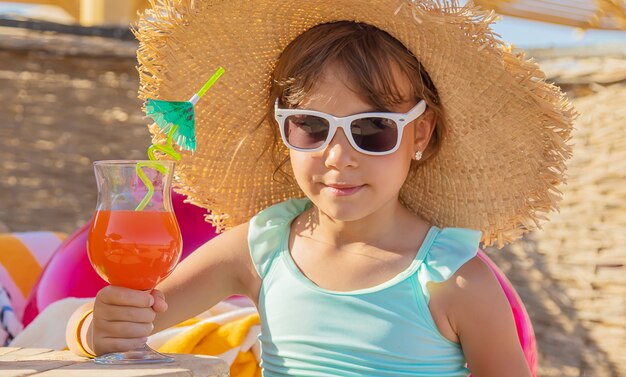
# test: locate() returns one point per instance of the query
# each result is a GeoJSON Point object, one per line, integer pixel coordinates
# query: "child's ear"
{"type": "Point", "coordinates": [424, 127]}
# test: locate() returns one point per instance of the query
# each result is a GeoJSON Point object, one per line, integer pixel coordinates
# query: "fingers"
{"type": "Point", "coordinates": [114, 336]}
{"type": "Point", "coordinates": [122, 322]}
{"type": "Point", "coordinates": [159, 301]}
{"type": "Point", "coordinates": [108, 345]}
{"type": "Point", "coordinates": [127, 330]}
{"type": "Point", "coordinates": [120, 296]}
{"type": "Point", "coordinates": [112, 313]}
{"type": "Point", "coordinates": [123, 318]}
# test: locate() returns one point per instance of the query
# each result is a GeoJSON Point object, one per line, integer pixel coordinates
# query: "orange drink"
{"type": "Point", "coordinates": [134, 240]}
{"type": "Point", "coordinates": [134, 249]}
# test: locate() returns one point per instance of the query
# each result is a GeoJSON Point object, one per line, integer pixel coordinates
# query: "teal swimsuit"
{"type": "Point", "coordinates": [386, 330]}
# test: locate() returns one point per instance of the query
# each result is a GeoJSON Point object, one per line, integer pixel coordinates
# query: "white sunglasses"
{"type": "Point", "coordinates": [369, 133]}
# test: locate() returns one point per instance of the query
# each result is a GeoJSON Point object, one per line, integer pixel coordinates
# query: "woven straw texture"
{"type": "Point", "coordinates": [499, 165]}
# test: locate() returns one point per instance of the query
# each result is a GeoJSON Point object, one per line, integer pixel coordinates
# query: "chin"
{"type": "Point", "coordinates": [344, 211]}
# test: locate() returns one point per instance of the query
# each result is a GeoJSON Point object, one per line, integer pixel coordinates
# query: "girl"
{"type": "Point", "coordinates": [411, 135]}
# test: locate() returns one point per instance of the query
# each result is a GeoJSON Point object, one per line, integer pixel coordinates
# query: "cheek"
{"type": "Point", "coordinates": [299, 161]}
{"type": "Point", "coordinates": [302, 166]}
{"type": "Point", "coordinates": [394, 168]}
{"type": "Point", "coordinates": [393, 172]}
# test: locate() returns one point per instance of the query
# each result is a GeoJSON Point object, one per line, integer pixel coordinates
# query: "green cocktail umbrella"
{"type": "Point", "coordinates": [177, 119]}
{"type": "Point", "coordinates": [179, 115]}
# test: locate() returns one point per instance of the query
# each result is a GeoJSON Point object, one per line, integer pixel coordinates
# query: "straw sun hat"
{"type": "Point", "coordinates": [499, 165]}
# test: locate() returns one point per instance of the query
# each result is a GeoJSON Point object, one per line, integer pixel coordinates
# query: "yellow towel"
{"type": "Point", "coordinates": [216, 339]}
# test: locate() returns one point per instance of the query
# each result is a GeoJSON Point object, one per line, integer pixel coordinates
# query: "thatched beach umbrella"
{"type": "Point", "coordinates": [583, 14]}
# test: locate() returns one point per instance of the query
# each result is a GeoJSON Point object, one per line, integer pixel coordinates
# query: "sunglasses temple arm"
{"type": "Point", "coordinates": [416, 111]}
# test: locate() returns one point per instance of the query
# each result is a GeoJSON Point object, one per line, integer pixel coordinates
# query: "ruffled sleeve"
{"type": "Point", "coordinates": [450, 249]}
{"type": "Point", "coordinates": [267, 230]}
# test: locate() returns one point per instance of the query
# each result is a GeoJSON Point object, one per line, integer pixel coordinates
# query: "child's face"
{"type": "Point", "coordinates": [343, 183]}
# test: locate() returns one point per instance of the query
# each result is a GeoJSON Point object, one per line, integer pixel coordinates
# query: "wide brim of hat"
{"type": "Point", "coordinates": [507, 129]}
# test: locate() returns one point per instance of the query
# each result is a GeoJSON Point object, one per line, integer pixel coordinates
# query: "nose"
{"type": "Point", "coordinates": [339, 153]}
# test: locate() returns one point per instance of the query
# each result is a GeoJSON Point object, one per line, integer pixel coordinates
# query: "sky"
{"type": "Point", "coordinates": [532, 34]}
{"type": "Point", "coordinates": [521, 33]}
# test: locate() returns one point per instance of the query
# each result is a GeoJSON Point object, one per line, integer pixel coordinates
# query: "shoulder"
{"type": "Point", "coordinates": [474, 290]}
{"type": "Point", "coordinates": [470, 292]}
{"type": "Point", "coordinates": [481, 316]}
{"type": "Point", "coordinates": [267, 230]}
{"type": "Point", "coordinates": [279, 214]}
{"type": "Point", "coordinates": [474, 274]}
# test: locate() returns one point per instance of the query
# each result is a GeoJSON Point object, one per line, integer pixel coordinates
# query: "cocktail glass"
{"type": "Point", "coordinates": [134, 240]}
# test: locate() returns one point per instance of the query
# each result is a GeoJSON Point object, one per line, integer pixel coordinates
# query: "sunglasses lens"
{"type": "Point", "coordinates": [306, 131]}
{"type": "Point", "coordinates": [375, 134]}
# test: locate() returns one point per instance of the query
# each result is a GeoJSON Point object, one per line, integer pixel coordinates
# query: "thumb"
{"type": "Point", "coordinates": [159, 305]}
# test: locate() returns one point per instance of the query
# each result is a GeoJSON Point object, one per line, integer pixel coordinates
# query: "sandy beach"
{"type": "Point", "coordinates": [60, 112]}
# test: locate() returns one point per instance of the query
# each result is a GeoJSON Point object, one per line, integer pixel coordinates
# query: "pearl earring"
{"type": "Point", "coordinates": [418, 155]}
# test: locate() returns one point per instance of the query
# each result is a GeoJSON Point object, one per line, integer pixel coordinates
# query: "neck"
{"type": "Point", "coordinates": [381, 229]}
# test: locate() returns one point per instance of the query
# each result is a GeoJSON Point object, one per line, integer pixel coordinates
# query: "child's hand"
{"type": "Point", "coordinates": [123, 318]}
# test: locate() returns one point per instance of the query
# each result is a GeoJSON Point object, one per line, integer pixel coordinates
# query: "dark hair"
{"type": "Point", "coordinates": [368, 56]}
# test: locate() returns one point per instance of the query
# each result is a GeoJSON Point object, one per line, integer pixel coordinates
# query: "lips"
{"type": "Point", "coordinates": [340, 189]}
